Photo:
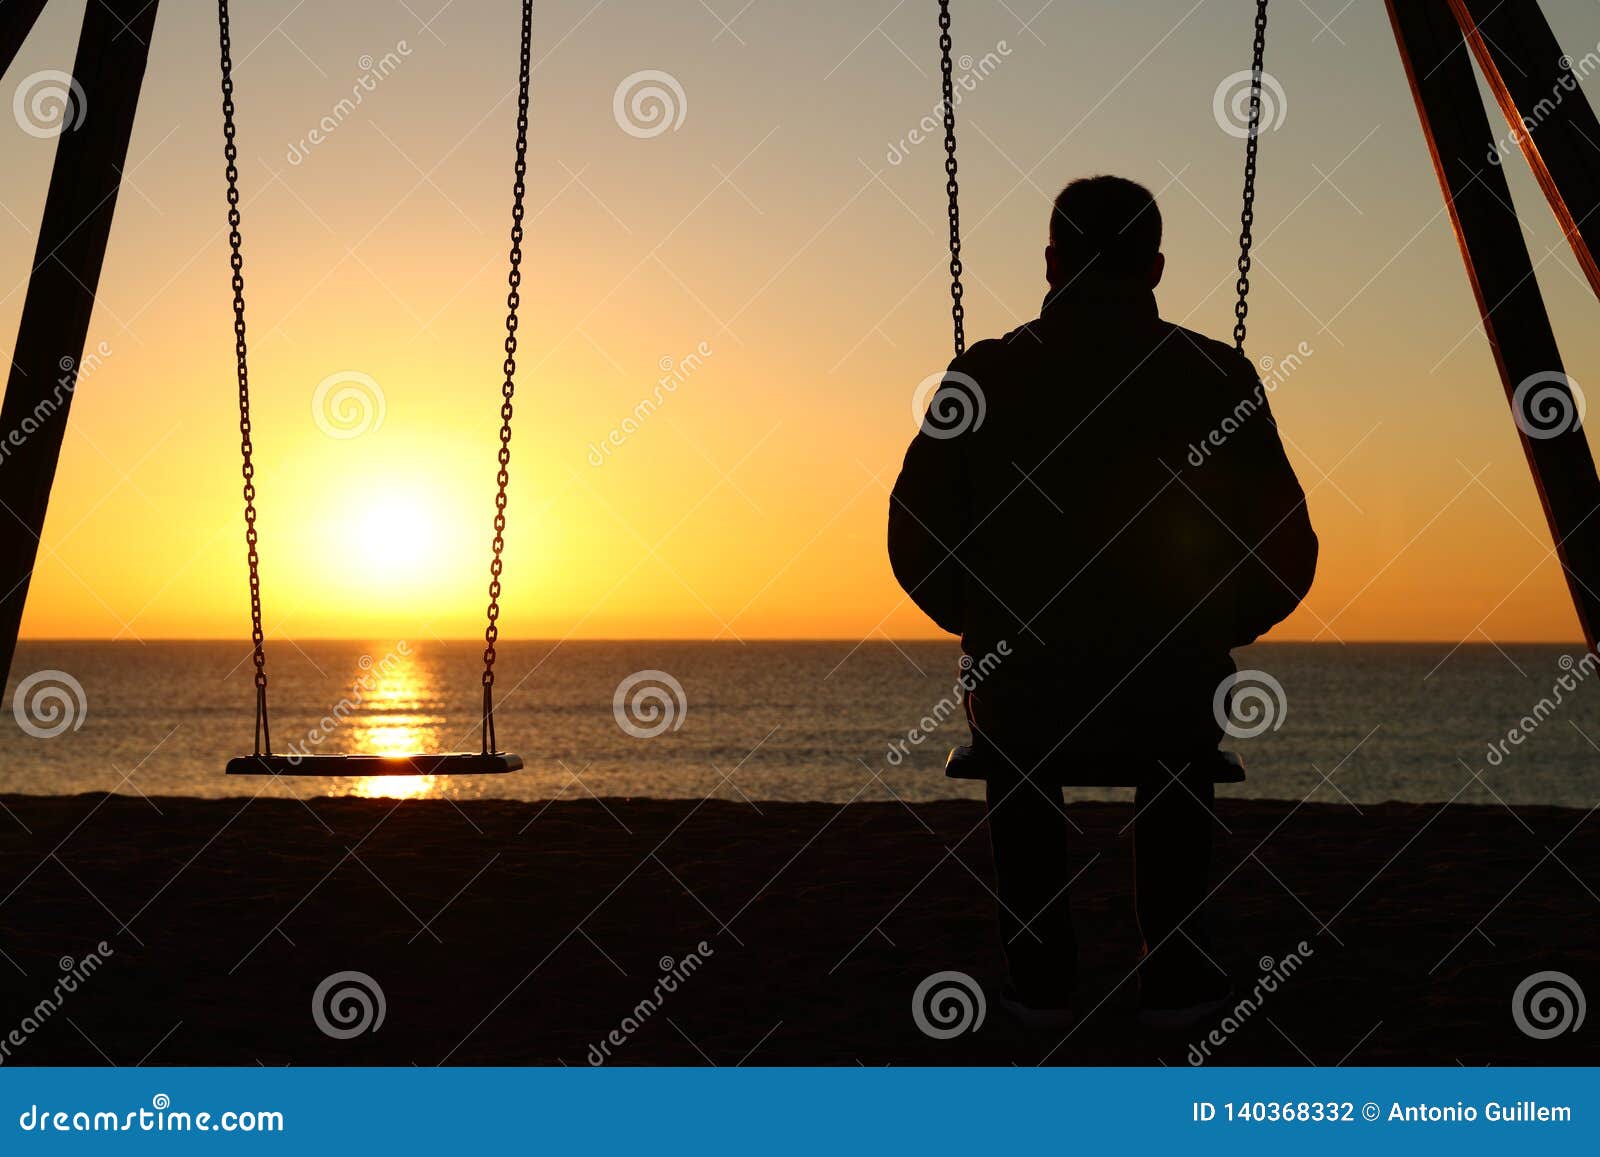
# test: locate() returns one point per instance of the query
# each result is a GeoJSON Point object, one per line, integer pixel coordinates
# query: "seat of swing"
{"type": "Point", "coordinates": [448, 763]}
{"type": "Point", "coordinates": [973, 761]}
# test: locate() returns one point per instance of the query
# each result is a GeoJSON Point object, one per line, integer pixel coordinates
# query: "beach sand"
{"type": "Point", "coordinates": [516, 933]}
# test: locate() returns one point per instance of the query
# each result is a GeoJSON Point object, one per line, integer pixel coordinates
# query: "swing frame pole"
{"type": "Point", "coordinates": [1556, 128]}
{"type": "Point", "coordinates": [1432, 37]}
{"type": "Point", "coordinates": [113, 49]}
{"type": "Point", "coordinates": [17, 18]}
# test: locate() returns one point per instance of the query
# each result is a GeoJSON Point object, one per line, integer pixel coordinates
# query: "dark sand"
{"type": "Point", "coordinates": [523, 933]}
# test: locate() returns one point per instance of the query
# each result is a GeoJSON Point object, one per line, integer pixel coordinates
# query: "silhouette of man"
{"type": "Point", "coordinates": [1100, 506]}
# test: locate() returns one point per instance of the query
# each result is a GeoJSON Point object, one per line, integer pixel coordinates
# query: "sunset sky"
{"type": "Point", "coordinates": [787, 228]}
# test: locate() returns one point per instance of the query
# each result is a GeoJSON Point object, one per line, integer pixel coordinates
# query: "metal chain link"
{"type": "Point", "coordinates": [491, 633]}
{"type": "Point", "coordinates": [1247, 215]}
{"type": "Point", "coordinates": [246, 448]}
{"type": "Point", "coordinates": [957, 311]}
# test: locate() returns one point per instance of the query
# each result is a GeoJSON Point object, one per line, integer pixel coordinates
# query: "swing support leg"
{"type": "Point", "coordinates": [16, 21]}
{"type": "Point", "coordinates": [1459, 136]}
{"type": "Point", "coordinates": [112, 50]}
{"type": "Point", "coordinates": [1555, 126]}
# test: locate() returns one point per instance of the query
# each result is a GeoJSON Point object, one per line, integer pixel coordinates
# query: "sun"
{"type": "Point", "coordinates": [398, 530]}
{"type": "Point", "coordinates": [386, 552]}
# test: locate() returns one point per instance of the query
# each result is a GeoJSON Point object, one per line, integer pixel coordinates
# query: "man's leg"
{"type": "Point", "coordinates": [1028, 831]}
{"type": "Point", "coordinates": [1172, 861]}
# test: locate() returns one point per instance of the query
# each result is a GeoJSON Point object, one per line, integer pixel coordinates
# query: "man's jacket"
{"type": "Point", "coordinates": [1105, 494]}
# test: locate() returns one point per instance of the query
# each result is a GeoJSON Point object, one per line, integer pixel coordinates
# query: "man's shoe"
{"type": "Point", "coordinates": [1044, 1017]}
{"type": "Point", "coordinates": [1183, 1004]}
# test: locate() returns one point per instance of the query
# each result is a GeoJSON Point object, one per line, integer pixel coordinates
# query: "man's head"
{"type": "Point", "coordinates": [1104, 229]}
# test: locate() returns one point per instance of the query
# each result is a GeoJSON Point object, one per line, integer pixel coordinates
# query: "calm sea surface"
{"type": "Point", "coordinates": [794, 721]}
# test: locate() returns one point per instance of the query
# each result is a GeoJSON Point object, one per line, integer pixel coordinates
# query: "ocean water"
{"type": "Point", "coordinates": [829, 721]}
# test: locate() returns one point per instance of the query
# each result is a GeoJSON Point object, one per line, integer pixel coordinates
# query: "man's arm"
{"type": "Point", "coordinates": [1267, 510]}
{"type": "Point", "coordinates": [928, 517]}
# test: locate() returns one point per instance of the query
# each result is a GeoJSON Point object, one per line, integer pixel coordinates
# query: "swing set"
{"type": "Point", "coordinates": [1512, 45]}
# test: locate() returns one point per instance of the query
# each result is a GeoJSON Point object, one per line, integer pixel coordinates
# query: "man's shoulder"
{"type": "Point", "coordinates": [990, 362]}
{"type": "Point", "coordinates": [1175, 352]}
{"type": "Point", "coordinates": [989, 351]}
{"type": "Point", "coordinates": [1200, 350]}
{"type": "Point", "coordinates": [1010, 352]}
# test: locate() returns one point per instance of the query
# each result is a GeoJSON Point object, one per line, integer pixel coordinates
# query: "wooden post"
{"type": "Point", "coordinates": [112, 50]}
{"type": "Point", "coordinates": [16, 21]}
{"type": "Point", "coordinates": [1537, 88]}
{"type": "Point", "coordinates": [1502, 277]}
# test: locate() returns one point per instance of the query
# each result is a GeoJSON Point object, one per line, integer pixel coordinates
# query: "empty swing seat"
{"type": "Point", "coordinates": [974, 761]}
{"type": "Point", "coordinates": [450, 763]}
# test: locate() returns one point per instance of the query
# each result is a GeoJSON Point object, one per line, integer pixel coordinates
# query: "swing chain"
{"type": "Point", "coordinates": [230, 151]}
{"type": "Point", "coordinates": [1247, 215]}
{"type": "Point", "coordinates": [957, 310]}
{"type": "Point", "coordinates": [491, 632]}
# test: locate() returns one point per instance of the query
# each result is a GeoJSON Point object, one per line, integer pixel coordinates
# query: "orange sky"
{"type": "Point", "coordinates": [772, 230]}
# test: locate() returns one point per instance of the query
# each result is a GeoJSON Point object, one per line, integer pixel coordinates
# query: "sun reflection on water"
{"type": "Point", "coordinates": [393, 736]}
{"type": "Point", "coordinates": [398, 718]}
{"type": "Point", "coordinates": [396, 787]}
